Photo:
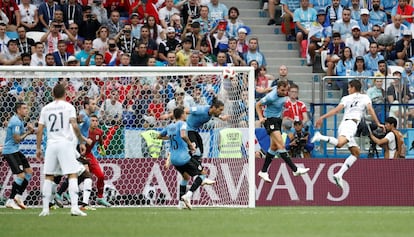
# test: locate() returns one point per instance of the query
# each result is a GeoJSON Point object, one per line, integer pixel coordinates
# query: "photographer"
{"type": "Point", "coordinates": [298, 143]}
{"type": "Point", "coordinates": [389, 142]}
{"type": "Point", "coordinates": [89, 24]}
{"type": "Point", "coordinates": [100, 11]}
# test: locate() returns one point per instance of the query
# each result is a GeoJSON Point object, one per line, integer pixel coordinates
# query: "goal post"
{"type": "Point", "coordinates": [132, 165]}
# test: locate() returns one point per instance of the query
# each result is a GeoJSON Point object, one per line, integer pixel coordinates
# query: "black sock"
{"type": "Point", "coordinates": [15, 190]}
{"type": "Point", "coordinates": [285, 156]}
{"type": "Point", "coordinates": [23, 186]}
{"type": "Point", "coordinates": [197, 182]}
{"type": "Point", "coordinates": [183, 190]}
{"type": "Point", "coordinates": [63, 187]}
{"type": "Point", "coordinates": [57, 179]}
{"type": "Point", "coordinates": [268, 160]}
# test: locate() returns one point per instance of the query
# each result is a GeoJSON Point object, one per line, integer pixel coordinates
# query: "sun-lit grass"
{"type": "Point", "coordinates": [213, 222]}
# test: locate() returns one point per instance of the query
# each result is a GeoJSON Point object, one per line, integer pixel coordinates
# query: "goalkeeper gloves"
{"type": "Point", "coordinates": [101, 150]}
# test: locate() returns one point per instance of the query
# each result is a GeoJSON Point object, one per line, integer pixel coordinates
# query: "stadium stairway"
{"type": "Point", "coordinates": [276, 49]}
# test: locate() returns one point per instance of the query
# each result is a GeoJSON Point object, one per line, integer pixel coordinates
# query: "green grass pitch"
{"type": "Point", "coordinates": [212, 222]}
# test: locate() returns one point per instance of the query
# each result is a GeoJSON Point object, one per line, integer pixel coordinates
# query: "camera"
{"type": "Point", "coordinates": [127, 31]}
{"type": "Point", "coordinates": [89, 15]}
{"type": "Point", "coordinates": [58, 26]}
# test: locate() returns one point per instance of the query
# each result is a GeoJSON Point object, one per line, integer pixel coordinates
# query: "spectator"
{"type": "Point", "coordinates": [114, 24]}
{"type": "Point", "coordinates": [319, 4]}
{"type": "Point", "coordinates": [359, 45]}
{"type": "Point", "coordinates": [402, 8]}
{"type": "Point", "coordinates": [395, 28]}
{"type": "Point", "coordinates": [217, 11]}
{"type": "Point", "coordinates": [25, 44]}
{"type": "Point", "coordinates": [377, 16]}
{"type": "Point", "coordinates": [140, 55]}
{"type": "Point", "coordinates": [206, 23]}
{"type": "Point", "coordinates": [171, 59]}
{"type": "Point", "coordinates": [176, 24]}
{"type": "Point", "coordinates": [344, 68]}
{"type": "Point", "coordinates": [377, 95]}
{"type": "Point", "coordinates": [170, 43]}
{"type": "Point", "coordinates": [195, 34]}
{"type": "Point", "coordinates": [61, 55]}
{"type": "Point", "coordinates": [72, 12]}
{"type": "Point", "coordinates": [74, 47]}
{"type": "Point", "coordinates": [376, 31]}
{"type": "Point", "coordinates": [101, 41]}
{"type": "Point", "coordinates": [295, 110]}
{"type": "Point", "coordinates": [288, 7]}
{"type": "Point", "coordinates": [271, 10]}
{"type": "Point", "coordinates": [144, 9]}
{"type": "Point", "coordinates": [99, 60]}
{"type": "Point", "coordinates": [283, 76]}
{"type": "Point", "coordinates": [298, 143]}
{"type": "Point", "coordinates": [125, 42]}
{"type": "Point", "coordinates": [12, 55]}
{"type": "Point", "coordinates": [372, 57]}
{"type": "Point", "coordinates": [58, 17]}
{"type": "Point", "coordinates": [190, 10]}
{"type": "Point", "coordinates": [219, 41]}
{"type": "Point", "coordinates": [319, 35]}
{"type": "Point", "coordinates": [90, 24]}
{"type": "Point", "coordinates": [233, 55]}
{"type": "Point", "coordinates": [99, 10]}
{"type": "Point", "coordinates": [183, 55]}
{"type": "Point", "coordinates": [206, 55]}
{"type": "Point", "coordinates": [254, 52]}
{"type": "Point", "coordinates": [11, 10]}
{"type": "Point", "coordinates": [29, 15]}
{"type": "Point", "coordinates": [111, 110]}
{"type": "Point", "coordinates": [334, 12]}
{"type": "Point", "coordinates": [398, 91]}
{"type": "Point", "coordinates": [404, 48]}
{"type": "Point", "coordinates": [195, 59]}
{"type": "Point", "coordinates": [86, 54]}
{"type": "Point", "coordinates": [122, 7]}
{"type": "Point", "coordinates": [53, 35]}
{"type": "Point", "coordinates": [38, 57]}
{"type": "Point", "coordinates": [344, 25]}
{"type": "Point", "coordinates": [166, 12]}
{"type": "Point", "coordinates": [47, 13]}
{"type": "Point", "coordinates": [364, 24]}
{"type": "Point", "coordinates": [234, 23]}
{"type": "Point", "coordinates": [152, 48]}
{"type": "Point", "coordinates": [3, 37]}
{"type": "Point", "coordinates": [157, 33]}
{"type": "Point", "coordinates": [135, 25]}
{"type": "Point", "coordinates": [360, 71]}
{"type": "Point", "coordinates": [356, 10]}
{"type": "Point", "coordinates": [112, 54]}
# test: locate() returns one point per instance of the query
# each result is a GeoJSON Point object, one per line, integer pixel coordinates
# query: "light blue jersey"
{"type": "Point", "coordinates": [84, 126]}
{"type": "Point", "coordinates": [179, 153]}
{"type": "Point", "coordinates": [274, 104]}
{"type": "Point", "coordinates": [198, 116]}
{"type": "Point", "coordinates": [15, 126]}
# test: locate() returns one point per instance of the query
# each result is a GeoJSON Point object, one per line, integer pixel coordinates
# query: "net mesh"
{"type": "Point", "coordinates": [130, 103]}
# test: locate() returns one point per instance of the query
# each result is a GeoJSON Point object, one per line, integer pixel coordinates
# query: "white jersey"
{"type": "Point", "coordinates": [55, 116]}
{"type": "Point", "coordinates": [355, 105]}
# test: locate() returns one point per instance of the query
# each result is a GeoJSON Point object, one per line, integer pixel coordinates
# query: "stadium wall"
{"type": "Point", "coordinates": [368, 183]}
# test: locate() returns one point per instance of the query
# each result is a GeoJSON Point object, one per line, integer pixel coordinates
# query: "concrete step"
{"type": "Point", "coordinates": [245, 4]}
{"type": "Point", "coordinates": [251, 12]}
{"type": "Point", "coordinates": [277, 45]}
{"type": "Point", "coordinates": [263, 29]}
{"type": "Point", "coordinates": [286, 61]}
{"type": "Point", "coordinates": [284, 53]}
{"type": "Point", "coordinates": [254, 21]}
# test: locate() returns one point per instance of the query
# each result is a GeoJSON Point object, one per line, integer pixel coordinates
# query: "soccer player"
{"type": "Point", "coordinates": [198, 116]}
{"type": "Point", "coordinates": [17, 161]}
{"type": "Point", "coordinates": [272, 120]}
{"type": "Point", "coordinates": [57, 117]}
{"type": "Point", "coordinates": [96, 136]}
{"type": "Point", "coordinates": [354, 105]}
{"type": "Point", "coordinates": [180, 148]}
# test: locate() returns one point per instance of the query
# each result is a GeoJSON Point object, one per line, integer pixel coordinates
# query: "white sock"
{"type": "Point", "coordinates": [333, 141]}
{"type": "Point", "coordinates": [47, 193]}
{"type": "Point", "coordinates": [346, 165]}
{"type": "Point", "coordinates": [190, 194]}
{"type": "Point", "coordinates": [87, 188]}
{"type": "Point", "coordinates": [73, 192]}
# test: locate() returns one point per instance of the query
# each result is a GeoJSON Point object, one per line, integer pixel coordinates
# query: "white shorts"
{"type": "Point", "coordinates": [348, 128]}
{"type": "Point", "coordinates": [60, 156]}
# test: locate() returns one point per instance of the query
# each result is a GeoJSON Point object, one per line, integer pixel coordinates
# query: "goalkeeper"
{"type": "Point", "coordinates": [96, 136]}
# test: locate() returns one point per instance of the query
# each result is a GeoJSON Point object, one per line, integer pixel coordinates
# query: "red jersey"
{"type": "Point", "coordinates": [294, 110]}
{"type": "Point", "coordinates": [95, 135]}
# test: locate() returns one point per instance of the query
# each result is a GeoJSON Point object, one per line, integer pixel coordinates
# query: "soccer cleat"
{"type": "Point", "coordinates": [44, 213]}
{"type": "Point", "coordinates": [103, 202]}
{"type": "Point", "coordinates": [19, 202]}
{"type": "Point", "coordinates": [58, 200]}
{"type": "Point", "coordinates": [338, 181]}
{"type": "Point", "coordinates": [12, 204]}
{"type": "Point", "coordinates": [207, 181]}
{"type": "Point", "coordinates": [316, 137]}
{"type": "Point", "coordinates": [77, 212]}
{"type": "Point", "coordinates": [187, 200]}
{"type": "Point", "coordinates": [300, 171]}
{"type": "Point", "coordinates": [87, 208]}
{"type": "Point", "coordinates": [181, 205]}
{"type": "Point", "coordinates": [264, 176]}
{"type": "Point", "coordinates": [52, 206]}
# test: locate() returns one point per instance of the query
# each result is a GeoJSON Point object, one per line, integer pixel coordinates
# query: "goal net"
{"type": "Point", "coordinates": [134, 164]}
